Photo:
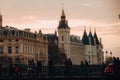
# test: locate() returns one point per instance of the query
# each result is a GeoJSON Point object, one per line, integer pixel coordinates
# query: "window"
{"type": "Point", "coordinates": [1, 40]}
{"type": "Point", "coordinates": [62, 45]}
{"type": "Point", "coordinates": [92, 52]}
{"type": "Point", "coordinates": [9, 49]}
{"type": "Point", "coordinates": [10, 40]}
{"type": "Point", "coordinates": [41, 52]}
{"type": "Point", "coordinates": [62, 38]}
{"type": "Point", "coordinates": [17, 49]}
{"type": "Point", "coordinates": [89, 52]}
{"type": "Point", "coordinates": [1, 50]}
{"type": "Point", "coordinates": [17, 40]}
{"type": "Point", "coordinates": [89, 57]}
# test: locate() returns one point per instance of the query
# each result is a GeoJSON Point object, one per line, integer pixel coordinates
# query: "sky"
{"type": "Point", "coordinates": [45, 15]}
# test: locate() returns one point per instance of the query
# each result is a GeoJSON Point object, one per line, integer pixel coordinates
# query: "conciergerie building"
{"type": "Point", "coordinates": [19, 46]}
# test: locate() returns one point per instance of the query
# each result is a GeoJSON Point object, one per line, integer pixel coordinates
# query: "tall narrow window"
{"type": "Point", "coordinates": [9, 49]}
{"type": "Point", "coordinates": [17, 49]}
{"type": "Point", "coordinates": [1, 40]}
{"type": "Point", "coordinates": [62, 38]}
{"type": "Point", "coordinates": [1, 50]}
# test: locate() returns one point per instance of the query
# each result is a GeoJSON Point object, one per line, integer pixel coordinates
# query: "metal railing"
{"type": "Point", "coordinates": [54, 71]}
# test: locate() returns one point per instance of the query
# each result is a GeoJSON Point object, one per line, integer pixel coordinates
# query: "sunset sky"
{"type": "Point", "coordinates": [45, 15]}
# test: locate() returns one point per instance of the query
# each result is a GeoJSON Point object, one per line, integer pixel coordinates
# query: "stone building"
{"type": "Point", "coordinates": [20, 46]}
{"type": "Point", "coordinates": [71, 45]}
{"type": "Point", "coordinates": [88, 48]}
{"type": "Point", "coordinates": [93, 48]}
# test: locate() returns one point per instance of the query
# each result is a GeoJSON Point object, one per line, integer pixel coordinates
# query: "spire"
{"type": "Point", "coordinates": [96, 38]}
{"type": "Point", "coordinates": [85, 39]}
{"type": "Point", "coordinates": [95, 30]}
{"type": "Point", "coordinates": [63, 23]}
{"type": "Point", "coordinates": [91, 37]}
{"type": "Point", "coordinates": [55, 32]}
{"type": "Point", "coordinates": [84, 28]}
{"type": "Point", "coordinates": [63, 13]}
{"type": "Point", "coordinates": [90, 29]}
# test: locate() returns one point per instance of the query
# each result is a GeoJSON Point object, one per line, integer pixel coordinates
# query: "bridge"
{"type": "Point", "coordinates": [91, 72]}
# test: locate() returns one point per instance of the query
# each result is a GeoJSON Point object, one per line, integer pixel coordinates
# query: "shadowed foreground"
{"type": "Point", "coordinates": [91, 72]}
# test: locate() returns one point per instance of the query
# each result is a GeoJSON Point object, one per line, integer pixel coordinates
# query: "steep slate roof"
{"type": "Point", "coordinates": [96, 38]}
{"type": "Point", "coordinates": [52, 37]}
{"type": "Point", "coordinates": [63, 24]}
{"type": "Point", "coordinates": [91, 38]}
{"type": "Point", "coordinates": [85, 38]}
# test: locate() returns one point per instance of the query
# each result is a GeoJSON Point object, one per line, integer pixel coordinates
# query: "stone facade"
{"type": "Point", "coordinates": [89, 48]}
{"type": "Point", "coordinates": [20, 46]}
{"type": "Point", "coordinates": [69, 44]}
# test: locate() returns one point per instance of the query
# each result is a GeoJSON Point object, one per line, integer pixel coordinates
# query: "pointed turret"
{"type": "Point", "coordinates": [91, 38]}
{"type": "Point", "coordinates": [96, 38]}
{"type": "Point", "coordinates": [63, 23]}
{"type": "Point", "coordinates": [63, 13]}
{"type": "Point", "coordinates": [85, 39]}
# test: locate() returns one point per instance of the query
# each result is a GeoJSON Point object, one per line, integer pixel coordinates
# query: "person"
{"type": "Point", "coordinates": [82, 63]}
{"type": "Point", "coordinates": [39, 68]}
{"type": "Point", "coordinates": [86, 68]}
{"type": "Point", "coordinates": [86, 63]}
{"type": "Point", "coordinates": [69, 62]}
{"type": "Point", "coordinates": [116, 67]}
{"type": "Point", "coordinates": [51, 67]}
{"type": "Point", "coordinates": [68, 67]}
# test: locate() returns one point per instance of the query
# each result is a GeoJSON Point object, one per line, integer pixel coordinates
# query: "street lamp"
{"type": "Point", "coordinates": [106, 52]}
{"type": "Point", "coordinates": [111, 54]}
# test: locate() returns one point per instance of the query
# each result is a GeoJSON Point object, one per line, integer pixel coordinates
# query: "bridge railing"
{"type": "Point", "coordinates": [56, 71]}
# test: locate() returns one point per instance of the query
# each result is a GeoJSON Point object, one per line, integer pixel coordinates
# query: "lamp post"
{"type": "Point", "coordinates": [111, 54]}
{"type": "Point", "coordinates": [106, 53]}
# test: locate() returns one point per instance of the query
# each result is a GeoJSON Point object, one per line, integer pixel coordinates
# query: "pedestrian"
{"type": "Point", "coordinates": [51, 67]}
{"type": "Point", "coordinates": [39, 68]}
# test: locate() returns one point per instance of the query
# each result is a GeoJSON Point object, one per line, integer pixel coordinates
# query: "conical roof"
{"type": "Point", "coordinates": [63, 13]}
{"type": "Point", "coordinates": [91, 38]}
{"type": "Point", "coordinates": [85, 39]}
{"type": "Point", "coordinates": [96, 38]}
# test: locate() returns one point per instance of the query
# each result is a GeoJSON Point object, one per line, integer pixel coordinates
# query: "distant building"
{"type": "Point", "coordinates": [23, 45]}
{"type": "Point", "coordinates": [88, 48]}
{"type": "Point", "coordinates": [69, 44]}
{"type": "Point", "coordinates": [93, 48]}
{"type": "Point", "coordinates": [20, 46]}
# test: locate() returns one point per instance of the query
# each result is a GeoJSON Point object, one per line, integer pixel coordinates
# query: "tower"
{"type": "Point", "coordinates": [64, 35]}
{"type": "Point", "coordinates": [0, 20]}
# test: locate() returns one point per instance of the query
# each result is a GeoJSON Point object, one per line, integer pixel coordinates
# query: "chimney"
{"type": "Point", "coordinates": [27, 29]}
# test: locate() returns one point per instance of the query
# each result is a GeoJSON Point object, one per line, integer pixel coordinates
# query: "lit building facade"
{"type": "Point", "coordinates": [20, 46]}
